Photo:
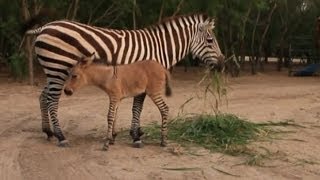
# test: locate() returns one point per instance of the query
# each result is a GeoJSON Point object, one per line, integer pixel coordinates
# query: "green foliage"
{"type": "Point", "coordinates": [223, 133]}
{"type": "Point", "coordinates": [18, 66]}
{"type": "Point", "coordinates": [235, 19]}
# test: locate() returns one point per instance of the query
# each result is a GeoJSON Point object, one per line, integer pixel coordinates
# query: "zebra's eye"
{"type": "Point", "coordinates": [210, 40]}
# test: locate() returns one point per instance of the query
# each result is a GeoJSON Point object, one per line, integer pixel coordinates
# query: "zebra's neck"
{"type": "Point", "coordinates": [167, 42]}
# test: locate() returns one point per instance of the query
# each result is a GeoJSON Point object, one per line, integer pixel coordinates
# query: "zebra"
{"type": "Point", "coordinates": [59, 44]}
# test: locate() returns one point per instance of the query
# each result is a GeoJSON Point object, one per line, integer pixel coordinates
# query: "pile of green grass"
{"type": "Point", "coordinates": [223, 133]}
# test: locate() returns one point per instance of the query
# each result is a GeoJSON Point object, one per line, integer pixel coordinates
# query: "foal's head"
{"type": "Point", "coordinates": [79, 75]}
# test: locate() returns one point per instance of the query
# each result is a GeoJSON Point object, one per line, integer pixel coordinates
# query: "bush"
{"type": "Point", "coordinates": [18, 66]}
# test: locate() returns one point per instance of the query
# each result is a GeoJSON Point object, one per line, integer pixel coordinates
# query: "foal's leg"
{"type": "Point", "coordinates": [111, 116]}
{"type": "Point", "coordinates": [114, 132]}
{"type": "Point", "coordinates": [135, 130]}
{"type": "Point", "coordinates": [44, 113]}
{"type": "Point", "coordinates": [164, 110]}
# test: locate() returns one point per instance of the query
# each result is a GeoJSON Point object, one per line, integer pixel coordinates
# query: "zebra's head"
{"type": "Point", "coordinates": [205, 45]}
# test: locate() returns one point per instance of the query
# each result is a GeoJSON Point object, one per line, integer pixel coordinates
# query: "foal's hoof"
{"type": "Point", "coordinates": [49, 138]}
{"type": "Point", "coordinates": [111, 142]}
{"type": "Point", "coordinates": [138, 144]}
{"type": "Point", "coordinates": [105, 148]}
{"type": "Point", "coordinates": [63, 143]}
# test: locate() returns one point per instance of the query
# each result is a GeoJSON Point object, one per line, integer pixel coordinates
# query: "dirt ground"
{"type": "Point", "coordinates": [26, 154]}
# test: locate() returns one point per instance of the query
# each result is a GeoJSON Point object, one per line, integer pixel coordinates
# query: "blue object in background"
{"type": "Point", "coordinates": [308, 70]}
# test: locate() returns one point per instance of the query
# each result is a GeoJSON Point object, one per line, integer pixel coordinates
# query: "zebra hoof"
{"type": "Point", "coordinates": [163, 144]}
{"type": "Point", "coordinates": [63, 143]}
{"type": "Point", "coordinates": [49, 134]}
{"type": "Point", "coordinates": [138, 144]}
{"type": "Point", "coordinates": [140, 132]}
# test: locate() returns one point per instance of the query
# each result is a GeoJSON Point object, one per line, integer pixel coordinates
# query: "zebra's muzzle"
{"type": "Point", "coordinates": [68, 92]}
{"type": "Point", "coordinates": [217, 66]}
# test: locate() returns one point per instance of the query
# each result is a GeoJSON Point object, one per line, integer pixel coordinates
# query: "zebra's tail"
{"type": "Point", "coordinates": [168, 87]}
{"type": "Point", "coordinates": [37, 19]}
{"type": "Point", "coordinates": [34, 31]}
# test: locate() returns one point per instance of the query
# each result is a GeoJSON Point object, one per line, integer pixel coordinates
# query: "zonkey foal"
{"type": "Point", "coordinates": [123, 81]}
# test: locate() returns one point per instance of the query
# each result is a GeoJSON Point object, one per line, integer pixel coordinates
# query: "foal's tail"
{"type": "Point", "coordinates": [168, 87]}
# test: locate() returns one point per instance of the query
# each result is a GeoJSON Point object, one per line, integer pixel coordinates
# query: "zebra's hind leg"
{"type": "Point", "coordinates": [164, 110]}
{"type": "Point", "coordinates": [135, 130]}
{"type": "Point", "coordinates": [53, 96]}
{"type": "Point", "coordinates": [44, 113]}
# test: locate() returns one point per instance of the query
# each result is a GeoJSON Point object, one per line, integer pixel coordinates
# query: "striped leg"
{"type": "Point", "coordinates": [53, 96]}
{"type": "Point", "coordinates": [164, 110]}
{"type": "Point", "coordinates": [114, 132]}
{"type": "Point", "coordinates": [44, 113]}
{"type": "Point", "coordinates": [111, 116]}
{"type": "Point", "coordinates": [135, 130]}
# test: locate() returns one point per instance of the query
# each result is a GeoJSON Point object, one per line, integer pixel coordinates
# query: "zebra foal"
{"type": "Point", "coordinates": [124, 81]}
{"type": "Point", "coordinates": [60, 44]}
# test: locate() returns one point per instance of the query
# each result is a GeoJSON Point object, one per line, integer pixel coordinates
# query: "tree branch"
{"type": "Point", "coordinates": [178, 8]}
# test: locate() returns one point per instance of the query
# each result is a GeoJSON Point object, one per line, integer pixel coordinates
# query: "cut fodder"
{"type": "Point", "coordinates": [215, 90]}
{"type": "Point", "coordinates": [223, 132]}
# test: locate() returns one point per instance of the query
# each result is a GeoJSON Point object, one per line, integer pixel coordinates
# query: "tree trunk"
{"type": "Point", "coordinates": [161, 11]}
{"type": "Point", "coordinates": [281, 50]}
{"type": "Point", "coordinates": [28, 44]}
{"type": "Point", "coordinates": [72, 10]}
{"type": "Point", "coordinates": [28, 48]}
{"type": "Point", "coordinates": [242, 50]}
{"type": "Point", "coordinates": [264, 35]}
{"type": "Point", "coordinates": [178, 8]}
{"type": "Point", "coordinates": [252, 58]}
{"type": "Point", "coordinates": [134, 14]}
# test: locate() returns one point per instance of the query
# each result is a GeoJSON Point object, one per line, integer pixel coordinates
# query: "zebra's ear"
{"type": "Point", "coordinates": [211, 24]}
{"type": "Point", "coordinates": [208, 25]}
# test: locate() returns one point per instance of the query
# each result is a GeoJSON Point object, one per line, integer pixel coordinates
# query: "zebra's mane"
{"type": "Point", "coordinates": [174, 18]}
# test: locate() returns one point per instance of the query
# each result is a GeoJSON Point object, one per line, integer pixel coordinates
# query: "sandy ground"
{"type": "Point", "coordinates": [25, 153]}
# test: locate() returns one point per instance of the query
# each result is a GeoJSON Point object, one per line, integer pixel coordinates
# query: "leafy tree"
{"type": "Point", "coordinates": [254, 28]}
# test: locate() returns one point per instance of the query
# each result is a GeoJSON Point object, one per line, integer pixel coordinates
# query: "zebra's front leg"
{"type": "Point", "coordinates": [136, 131]}
{"type": "Point", "coordinates": [111, 116]}
{"type": "Point", "coordinates": [44, 113]}
{"type": "Point", "coordinates": [164, 110]}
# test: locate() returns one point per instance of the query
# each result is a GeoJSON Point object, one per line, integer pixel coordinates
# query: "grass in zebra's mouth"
{"type": "Point", "coordinates": [215, 89]}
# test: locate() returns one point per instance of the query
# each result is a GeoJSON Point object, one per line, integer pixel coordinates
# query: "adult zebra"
{"type": "Point", "coordinates": [59, 45]}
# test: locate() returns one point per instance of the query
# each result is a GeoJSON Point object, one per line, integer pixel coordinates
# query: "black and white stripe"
{"type": "Point", "coordinates": [59, 45]}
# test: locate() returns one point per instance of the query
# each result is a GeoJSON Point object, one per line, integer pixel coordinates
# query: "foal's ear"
{"type": "Point", "coordinates": [86, 61]}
